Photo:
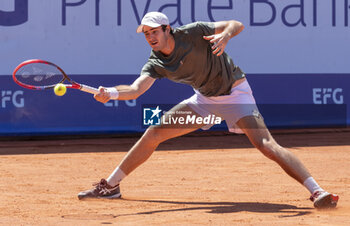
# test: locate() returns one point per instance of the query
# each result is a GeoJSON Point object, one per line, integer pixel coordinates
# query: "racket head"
{"type": "Point", "coordinates": [38, 74]}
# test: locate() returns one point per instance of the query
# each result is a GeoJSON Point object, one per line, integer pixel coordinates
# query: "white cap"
{"type": "Point", "coordinates": [153, 19]}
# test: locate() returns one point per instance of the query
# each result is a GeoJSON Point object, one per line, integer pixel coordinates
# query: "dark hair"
{"type": "Point", "coordinates": [164, 28]}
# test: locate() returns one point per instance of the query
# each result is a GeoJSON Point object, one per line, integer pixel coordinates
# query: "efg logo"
{"type": "Point", "coordinates": [17, 16]}
{"type": "Point", "coordinates": [328, 96]}
{"type": "Point", "coordinates": [9, 98]}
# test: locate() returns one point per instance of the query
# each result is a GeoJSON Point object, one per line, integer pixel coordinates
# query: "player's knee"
{"type": "Point", "coordinates": [268, 147]}
{"type": "Point", "coordinates": [154, 135]}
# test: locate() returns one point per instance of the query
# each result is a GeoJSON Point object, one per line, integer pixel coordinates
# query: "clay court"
{"type": "Point", "coordinates": [194, 180]}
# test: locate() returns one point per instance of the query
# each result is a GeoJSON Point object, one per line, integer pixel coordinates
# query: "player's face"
{"type": "Point", "coordinates": [155, 37]}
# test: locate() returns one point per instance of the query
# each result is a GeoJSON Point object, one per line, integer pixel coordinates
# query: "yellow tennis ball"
{"type": "Point", "coordinates": [60, 89]}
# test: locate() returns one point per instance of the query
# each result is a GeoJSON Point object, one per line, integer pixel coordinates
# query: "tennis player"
{"type": "Point", "coordinates": [194, 54]}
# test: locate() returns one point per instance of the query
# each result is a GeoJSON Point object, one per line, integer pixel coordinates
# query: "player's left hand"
{"type": "Point", "coordinates": [219, 42]}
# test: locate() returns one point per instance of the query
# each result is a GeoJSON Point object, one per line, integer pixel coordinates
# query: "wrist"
{"type": "Point", "coordinates": [227, 34]}
{"type": "Point", "coordinates": [113, 93]}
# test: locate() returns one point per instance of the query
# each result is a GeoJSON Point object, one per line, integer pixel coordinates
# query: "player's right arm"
{"type": "Point", "coordinates": [126, 92]}
{"type": "Point", "coordinates": [224, 31]}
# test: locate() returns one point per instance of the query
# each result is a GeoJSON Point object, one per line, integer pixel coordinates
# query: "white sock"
{"type": "Point", "coordinates": [312, 185]}
{"type": "Point", "coordinates": [116, 177]}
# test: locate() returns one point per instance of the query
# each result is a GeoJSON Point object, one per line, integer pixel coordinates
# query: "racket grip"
{"type": "Point", "coordinates": [89, 89]}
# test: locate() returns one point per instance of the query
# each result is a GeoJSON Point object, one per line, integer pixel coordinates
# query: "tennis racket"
{"type": "Point", "coordinates": [41, 75]}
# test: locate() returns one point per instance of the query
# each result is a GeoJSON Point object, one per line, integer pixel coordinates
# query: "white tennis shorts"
{"type": "Point", "coordinates": [231, 108]}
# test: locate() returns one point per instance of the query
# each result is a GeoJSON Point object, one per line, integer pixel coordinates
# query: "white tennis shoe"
{"type": "Point", "coordinates": [323, 199]}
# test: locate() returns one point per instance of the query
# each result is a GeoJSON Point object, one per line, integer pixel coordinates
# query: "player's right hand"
{"type": "Point", "coordinates": [219, 42]}
{"type": "Point", "coordinates": [103, 96]}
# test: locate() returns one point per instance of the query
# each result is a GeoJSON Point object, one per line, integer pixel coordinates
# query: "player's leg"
{"type": "Point", "coordinates": [255, 129]}
{"type": "Point", "coordinates": [155, 135]}
{"type": "Point", "coordinates": [140, 152]}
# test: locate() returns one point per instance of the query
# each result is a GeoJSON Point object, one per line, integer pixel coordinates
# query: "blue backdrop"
{"type": "Point", "coordinates": [285, 101]}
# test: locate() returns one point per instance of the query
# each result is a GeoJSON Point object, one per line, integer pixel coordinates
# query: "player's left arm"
{"type": "Point", "coordinates": [224, 31]}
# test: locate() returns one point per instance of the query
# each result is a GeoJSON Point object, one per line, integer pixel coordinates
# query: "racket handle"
{"type": "Point", "coordinates": [89, 89]}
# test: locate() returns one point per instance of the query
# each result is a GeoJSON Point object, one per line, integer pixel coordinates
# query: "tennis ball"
{"type": "Point", "coordinates": [60, 89]}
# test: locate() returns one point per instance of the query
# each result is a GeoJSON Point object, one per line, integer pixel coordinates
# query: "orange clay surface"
{"type": "Point", "coordinates": [192, 180]}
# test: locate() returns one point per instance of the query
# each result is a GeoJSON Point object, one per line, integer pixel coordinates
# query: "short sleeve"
{"type": "Point", "coordinates": [148, 69]}
{"type": "Point", "coordinates": [208, 28]}
{"type": "Point", "coordinates": [199, 28]}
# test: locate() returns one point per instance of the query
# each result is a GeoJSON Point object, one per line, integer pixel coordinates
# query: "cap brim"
{"type": "Point", "coordinates": [140, 27]}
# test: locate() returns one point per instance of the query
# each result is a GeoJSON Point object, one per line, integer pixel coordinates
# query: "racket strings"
{"type": "Point", "coordinates": [39, 74]}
